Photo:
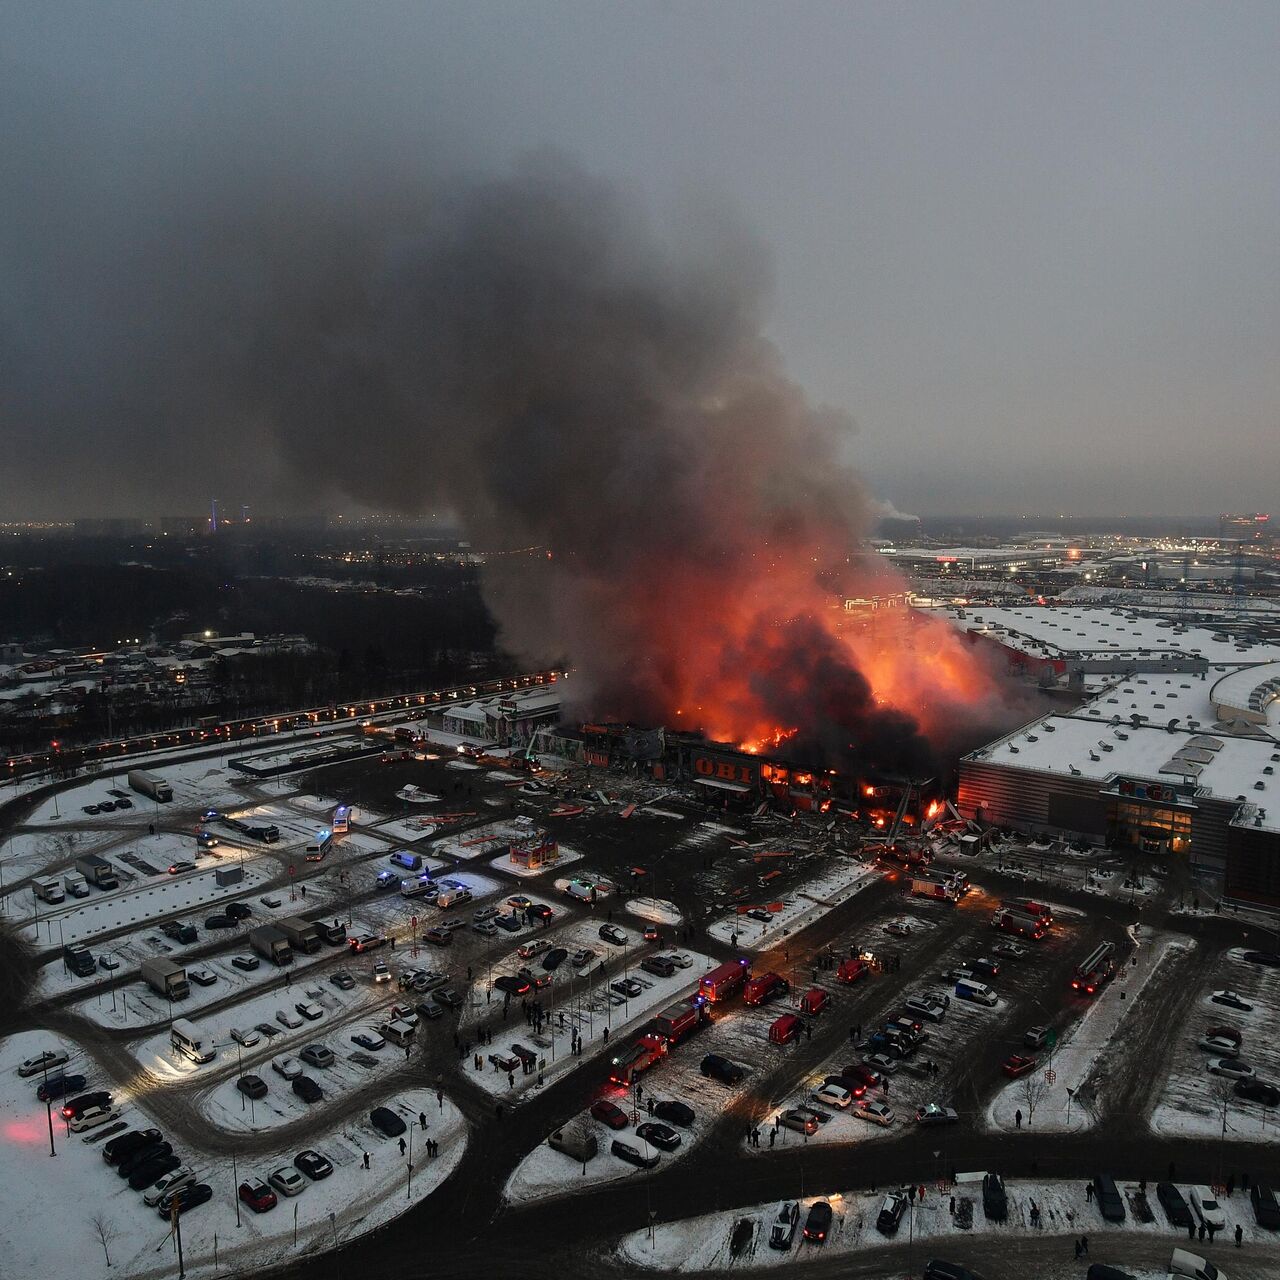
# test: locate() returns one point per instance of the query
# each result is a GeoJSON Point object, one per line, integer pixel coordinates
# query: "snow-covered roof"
{"type": "Point", "coordinates": [1098, 632]}
{"type": "Point", "coordinates": [472, 712]}
{"type": "Point", "coordinates": [1222, 766]}
{"type": "Point", "coordinates": [1252, 694]}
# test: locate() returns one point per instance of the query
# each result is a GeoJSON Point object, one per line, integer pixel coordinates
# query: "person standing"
{"type": "Point", "coordinates": [1239, 1234]}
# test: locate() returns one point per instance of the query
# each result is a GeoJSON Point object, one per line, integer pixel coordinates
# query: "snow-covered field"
{"type": "Point", "coordinates": [1071, 1061]}
{"type": "Point", "coordinates": [837, 884]}
{"type": "Point", "coordinates": [703, 1243]}
{"type": "Point", "coordinates": [1192, 1100]}
{"type": "Point", "coordinates": [655, 911]}
{"type": "Point", "coordinates": [343, 1206]}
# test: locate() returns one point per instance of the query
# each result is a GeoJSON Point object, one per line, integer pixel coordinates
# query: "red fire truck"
{"type": "Point", "coordinates": [638, 1058]}
{"type": "Point", "coordinates": [724, 980]}
{"type": "Point", "coordinates": [681, 1019]}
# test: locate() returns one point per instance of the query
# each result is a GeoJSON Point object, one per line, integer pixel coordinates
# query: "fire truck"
{"type": "Point", "coordinates": [928, 887]}
{"type": "Point", "coordinates": [765, 987]}
{"type": "Point", "coordinates": [851, 970]}
{"type": "Point", "coordinates": [631, 1062]}
{"type": "Point", "coordinates": [1095, 970]}
{"type": "Point", "coordinates": [681, 1020]}
{"type": "Point", "coordinates": [724, 980]}
{"type": "Point", "coordinates": [1014, 921]}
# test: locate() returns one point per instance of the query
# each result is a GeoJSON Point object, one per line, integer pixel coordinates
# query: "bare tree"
{"type": "Point", "coordinates": [1034, 1089]}
{"type": "Point", "coordinates": [106, 1232]}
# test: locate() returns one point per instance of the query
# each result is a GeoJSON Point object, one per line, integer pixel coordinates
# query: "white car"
{"type": "Point", "coordinates": [247, 1039]}
{"type": "Point", "coordinates": [381, 973]}
{"type": "Point", "coordinates": [287, 1180]}
{"type": "Point", "coordinates": [169, 1182]}
{"type": "Point", "coordinates": [833, 1095]}
{"type": "Point", "coordinates": [290, 1068]}
{"type": "Point", "coordinates": [1232, 1068]}
{"type": "Point", "coordinates": [882, 1063]}
{"type": "Point", "coordinates": [1220, 1045]}
{"type": "Point", "coordinates": [681, 960]}
{"type": "Point", "coordinates": [877, 1112]}
{"type": "Point", "coordinates": [1204, 1204]}
{"type": "Point", "coordinates": [481, 914]}
{"type": "Point", "coordinates": [287, 1019]}
{"type": "Point", "coordinates": [45, 1061]}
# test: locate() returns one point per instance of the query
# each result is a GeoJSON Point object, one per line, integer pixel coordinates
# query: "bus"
{"type": "Point", "coordinates": [319, 845]}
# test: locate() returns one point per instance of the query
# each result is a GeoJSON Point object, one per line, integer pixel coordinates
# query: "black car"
{"type": "Point", "coordinates": [658, 1135]}
{"type": "Point", "coordinates": [512, 985]}
{"type": "Point", "coordinates": [116, 1150]}
{"type": "Point", "coordinates": [817, 1225]}
{"type": "Point", "coordinates": [995, 1204]}
{"type": "Point", "coordinates": [1108, 1198]}
{"type": "Point", "coordinates": [673, 1112]}
{"type": "Point", "coordinates": [188, 1197]}
{"type": "Point", "coordinates": [1257, 1091]}
{"type": "Point", "coordinates": [428, 1009]}
{"type": "Point", "coordinates": [140, 1155]}
{"type": "Point", "coordinates": [149, 1171]}
{"type": "Point", "coordinates": [58, 1087]}
{"type": "Point", "coordinates": [246, 964]}
{"type": "Point", "coordinates": [659, 966]}
{"type": "Point", "coordinates": [1270, 958]}
{"type": "Point", "coordinates": [1174, 1206]}
{"type": "Point", "coordinates": [252, 1086]}
{"type": "Point", "coordinates": [219, 922]}
{"type": "Point", "coordinates": [386, 1122]}
{"type": "Point", "coordinates": [237, 910]}
{"type": "Point", "coordinates": [313, 1164]}
{"type": "Point", "coordinates": [538, 911]}
{"type": "Point", "coordinates": [633, 1155]}
{"type": "Point", "coordinates": [307, 1089]}
{"type": "Point", "coordinates": [939, 1270]}
{"type": "Point", "coordinates": [448, 997]}
{"type": "Point", "coordinates": [179, 932]}
{"type": "Point", "coordinates": [1265, 1208]}
{"type": "Point", "coordinates": [891, 1213]}
{"type": "Point", "coordinates": [123, 802]}
{"type": "Point", "coordinates": [715, 1067]}
{"type": "Point", "coordinates": [554, 959]}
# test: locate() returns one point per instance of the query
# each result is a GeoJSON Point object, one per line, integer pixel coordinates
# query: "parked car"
{"type": "Point", "coordinates": [932, 1113]}
{"type": "Point", "coordinates": [659, 966]}
{"type": "Point", "coordinates": [633, 1155]}
{"type": "Point", "coordinates": [317, 1055]}
{"type": "Point", "coordinates": [313, 1164]}
{"type": "Point", "coordinates": [817, 1222]}
{"type": "Point", "coordinates": [245, 963]}
{"type": "Point", "coordinates": [658, 1135]}
{"type": "Point", "coordinates": [539, 911]}
{"type": "Point", "coordinates": [307, 1089]}
{"type": "Point", "coordinates": [1107, 1197]}
{"type": "Point", "coordinates": [386, 1122]}
{"type": "Point", "coordinates": [342, 980]}
{"type": "Point", "coordinates": [219, 922]}
{"type": "Point", "coordinates": [1011, 950]}
{"type": "Point", "coordinates": [370, 1040]}
{"type": "Point", "coordinates": [681, 960]}
{"type": "Point", "coordinates": [892, 1209]}
{"type": "Point", "coordinates": [59, 1086]}
{"type": "Point", "coordinates": [1266, 1210]}
{"type": "Point", "coordinates": [290, 1068]}
{"type": "Point", "coordinates": [1037, 1037]}
{"type": "Point", "coordinates": [1255, 1090]}
{"type": "Point", "coordinates": [611, 933]}
{"type": "Point", "coordinates": [583, 955]}
{"type": "Point", "coordinates": [185, 1198]}
{"type": "Point", "coordinates": [309, 1010]}
{"type": "Point", "coordinates": [168, 1183]}
{"type": "Point", "coordinates": [238, 910]}
{"type": "Point", "coordinates": [929, 1007]}
{"type": "Point", "coordinates": [139, 1155]}
{"type": "Point", "coordinates": [448, 997]}
{"type": "Point", "coordinates": [650, 933]}
{"type": "Point", "coordinates": [246, 1039]}
{"type": "Point", "coordinates": [609, 1113]}
{"type": "Point", "coordinates": [1269, 958]}
{"type": "Point", "coordinates": [783, 1231]}
{"type": "Point", "coordinates": [898, 928]}
{"type": "Point", "coordinates": [118, 1148]}
{"type": "Point", "coordinates": [1017, 1064]}
{"type": "Point", "coordinates": [627, 987]}
{"type": "Point", "coordinates": [252, 1086]}
{"type": "Point", "coordinates": [200, 976]}
{"type": "Point", "coordinates": [798, 1121]}
{"type": "Point", "coordinates": [1231, 1000]}
{"type": "Point", "coordinates": [287, 1019]}
{"type": "Point", "coordinates": [1174, 1206]}
{"type": "Point", "coordinates": [714, 1067]}
{"type": "Point", "coordinates": [1204, 1204]}
{"type": "Point", "coordinates": [287, 1180]}
{"type": "Point", "coordinates": [1232, 1068]}
{"type": "Point", "coordinates": [176, 868]}
{"type": "Point", "coordinates": [149, 1171]}
{"type": "Point", "coordinates": [882, 1063]}
{"type": "Point", "coordinates": [678, 1113]}
{"type": "Point", "coordinates": [509, 924]}
{"type": "Point", "coordinates": [877, 1112]}
{"type": "Point", "coordinates": [833, 1095]}
{"type": "Point", "coordinates": [520, 902]}
{"type": "Point", "coordinates": [42, 1062]}
{"type": "Point", "coordinates": [257, 1195]}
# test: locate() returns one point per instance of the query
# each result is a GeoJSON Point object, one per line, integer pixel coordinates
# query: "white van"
{"type": "Point", "coordinates": [191, 1041]}
{"type": "Point", "coordinates": [532, 948]}
{"type": "Point", "coordinates": [416, 887]}
{"type": "Point", "coordinates": [977, 992]}
{"type": "Point", "coordinates": [397, 1032]}
{"type": "Point", "coordinates": [1193, 1267]}
{"type": "Point", "coordinates": [452, 898]}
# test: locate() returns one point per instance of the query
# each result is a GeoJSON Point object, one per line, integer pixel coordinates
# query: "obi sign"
{"type": "Point", "coordinates": [717, 767]}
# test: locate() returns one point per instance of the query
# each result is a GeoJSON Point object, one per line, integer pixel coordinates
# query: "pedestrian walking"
{"type": "Point", "coordinates": [440, 1098]}
{"type": "Point", "coordinates": [1212, 1230]}
{"type": "Point", "coordinates": [1239, 1234]}
{"type": "Point", "coordinates": [422, 1119]}
{"type": "Point", "coordinates": [302, 889]}
{"type": "Point", "coordinates": [366, 1159]}
{"type": "Point", "coordinates": [1191, 1230]}
{"type": "Point", "coordinates": [1017, 1118]}
{"type": "Point", "coordinates": [773, 1133]}
{"type": "Point", "coordinates": [1202, 1231]}
{"type": "Point", "coordinates": [511, 1079]}
{"type": "Point", "coordinates": [406, 1053]}
{"type": "Point", "coordinates": [1088, 1192]}
{"type": "Point", "coordinates": [953, 1206]}
{"type": "Point", "coordinates": [402, 1146]}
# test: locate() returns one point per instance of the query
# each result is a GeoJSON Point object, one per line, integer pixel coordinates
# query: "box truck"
{"type": "Point", "coordinates": [166, 978]}
{"type": "Point", "coordinates": [97, 871]}
{"type": "Point", "coordinates": [303, 935]}
{"type": "Point", "coordinates": [151, 785]}
{"type": "Point", "coordinates": [75, 884]}
{"type": "Point", "coordinates": [271, 944]}
{"type": "Point", "coordinates": [47, 889]}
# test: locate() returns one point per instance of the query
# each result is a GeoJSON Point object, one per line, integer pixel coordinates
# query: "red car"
{"type": "Point", "coordinates": [1017, 1064]}
{"type": "Point", "coordinates": [257, 1195]}
{"type": "Point", "coordinates": [609, 1113]}
{"type": "Point", "coordinates": [651, 933]}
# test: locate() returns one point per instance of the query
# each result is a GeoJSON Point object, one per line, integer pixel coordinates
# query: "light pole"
{"type": "Point", "coordinates": [48, 1106]}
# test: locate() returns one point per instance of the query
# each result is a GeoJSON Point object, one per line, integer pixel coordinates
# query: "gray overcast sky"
{"type": "Point", "coordinates": [1032, 249]}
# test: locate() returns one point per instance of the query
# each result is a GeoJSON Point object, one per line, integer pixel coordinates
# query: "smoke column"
{"type": "Point", "coordinates": [524, 351]}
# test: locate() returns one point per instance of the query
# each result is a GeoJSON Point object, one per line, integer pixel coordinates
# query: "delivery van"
{"type": "Point", "coordinates": [976, 992]}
